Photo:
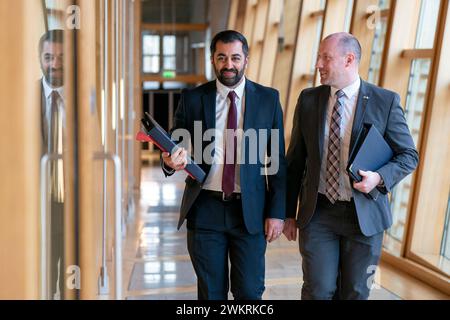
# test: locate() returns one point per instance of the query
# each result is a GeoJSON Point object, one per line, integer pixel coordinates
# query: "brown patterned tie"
{"type": "Point", "coordinates": [334, 150]}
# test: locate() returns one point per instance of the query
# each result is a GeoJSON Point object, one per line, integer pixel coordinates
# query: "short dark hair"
{"type": "Point", "coordinates": [56, 36]}
{"type": "Point", "coordinates": [228, 36]}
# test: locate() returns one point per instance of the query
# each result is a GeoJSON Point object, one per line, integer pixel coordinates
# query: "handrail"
{"type": "Point", "coordinates": [117, 219]}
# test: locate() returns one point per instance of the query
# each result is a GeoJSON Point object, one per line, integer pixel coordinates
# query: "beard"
{"type": "Point", "coordinates": [230, 81]}
{"type": "Point", "coordinates": [54, 81]}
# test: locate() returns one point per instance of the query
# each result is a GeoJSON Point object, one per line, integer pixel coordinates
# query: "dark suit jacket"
{"type": "Point", "coordinates": [375, 105]}
{"type": "Point", "coordinates": [260, 199]}
{"type": "Point", "coordinates": [44, 124]}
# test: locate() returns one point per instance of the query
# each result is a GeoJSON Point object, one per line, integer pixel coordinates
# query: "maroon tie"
{"type": "Point", "coordinates": [230, 147]}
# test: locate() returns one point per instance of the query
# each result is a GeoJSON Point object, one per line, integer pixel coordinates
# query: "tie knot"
{"type": "Point", "coordinates": [231, 95]}
{"type": "Point", "coordinates": [339, 94]}
{"type": "Point", "coordinates": [54, 95]}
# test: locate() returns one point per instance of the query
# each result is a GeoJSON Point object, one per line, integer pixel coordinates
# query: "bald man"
{"type": "Point", "coordinates": [340, 229]}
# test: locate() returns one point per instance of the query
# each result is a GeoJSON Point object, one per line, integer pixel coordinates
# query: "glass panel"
{"type": "Point", "coordinates": [151, 64]}
{"type": "Point", "coordinates": [384, 4]}
{"type": "Point", "coordinates": [55, 14]}
{"type": "Point", "coordinates": [169, 63]}
{"type": "Point", "coordinates": [414, 109]}
{"type": "Point", "coordinates": [348, 15]}
{"type": "Point", "coordinates": [376, 54]}
{"type": "Point", "coordinates": [169, 45]}
{"type": "Point", "coordinates": [57, 134]}
{"type": "Point", "coordinates": [434, 246]}
{"type": "Point", "coordinates": [315, 47]}
{"type": "Point", "coordinates": [426, 28]}
{"type": "Point", "coordinates": [150, 45]}
{"type": "Point", "coordinates": [445, 246]}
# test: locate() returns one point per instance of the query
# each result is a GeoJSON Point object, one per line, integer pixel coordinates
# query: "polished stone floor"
{"type": "Point", "coordinates": [157, 265]}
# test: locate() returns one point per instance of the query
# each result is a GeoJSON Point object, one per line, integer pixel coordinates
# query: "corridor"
{"type": "Point", "coordinates": [156, 261]}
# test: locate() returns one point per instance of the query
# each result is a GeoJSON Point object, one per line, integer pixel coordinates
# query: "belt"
{"type": "Point", "coordinates": [222, 197]}
{"type": "Point", "coordinates": [323, 198]}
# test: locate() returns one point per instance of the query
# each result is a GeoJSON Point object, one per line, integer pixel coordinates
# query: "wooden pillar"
{"type": "Point", "coordinates": [21, 25]}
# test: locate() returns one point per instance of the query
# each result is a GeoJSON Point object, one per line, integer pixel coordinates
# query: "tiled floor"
{"type": "Point", "coordinates": [157, 264]}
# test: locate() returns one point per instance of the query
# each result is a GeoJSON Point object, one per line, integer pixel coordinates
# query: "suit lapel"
{"type": "Point", "coordinates": [361, 106]}
{"type": "Point", "coordinates": [209, 106]}
{"type": "Point", "coordinates": [251, 105]}
{"type": "Point", "coordinates": [44, 123]}
{"type": "Point", "coordinates": [322, 116]}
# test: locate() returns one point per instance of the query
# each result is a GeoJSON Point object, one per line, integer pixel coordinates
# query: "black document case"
{"type": "Point", "coordinates": [162, 140]}
{"type": "Point", "coordinates": [370, 153]}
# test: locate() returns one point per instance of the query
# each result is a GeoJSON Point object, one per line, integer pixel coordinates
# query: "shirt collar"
{"type": "Point", "coordinates": [223, 90]}
{"type": "Point", "coordinates": [349, 90]}
{"type": "Point", "coordinates": [48, 89]}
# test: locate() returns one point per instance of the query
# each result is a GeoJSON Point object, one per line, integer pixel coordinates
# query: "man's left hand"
{"type": "Point", "coordinates": [273, 228]}
{"type": "Point", "coordinates": [369, 181]}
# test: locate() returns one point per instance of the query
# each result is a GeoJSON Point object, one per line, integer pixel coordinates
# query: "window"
{"type": "Point", "coordinates": [416, 94]}
{"type": "Point", "coordinates": [150, 49]}
{"type": "Point", "coordinates": [445, 243]}
{"type": "Point", "coordinates": [55, 14]}
{"type": "Point", "coordinates": [174, 55]}
{"type": "Point", "coordinates": [316, 44]}
{"type": "Point", "coordinates": [379, 38]}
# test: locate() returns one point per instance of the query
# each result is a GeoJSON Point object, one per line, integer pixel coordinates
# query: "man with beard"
{"type": "Point", "coordinates": [52, 124]}
{"type": "Point", "coordinates": [232, 215]}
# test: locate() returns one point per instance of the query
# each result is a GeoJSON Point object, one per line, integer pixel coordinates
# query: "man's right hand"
{"type": "Point", "coordinates": [177, 160]}
{"type": "Point", "coordinates": [290, 229]}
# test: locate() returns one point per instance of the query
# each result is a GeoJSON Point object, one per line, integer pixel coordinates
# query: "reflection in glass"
{"type": "Point", "coordinates": [53, 125]}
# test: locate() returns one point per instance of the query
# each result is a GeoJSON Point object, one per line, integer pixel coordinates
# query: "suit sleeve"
{"type": "Point", "coordinates": [179, 122]}
{"type": "Point", "coordinates": [296, 162]}
{"type": "Point", "coordinates": [277, 181]}
{"type": "Point", "coordinates": [398, 136]}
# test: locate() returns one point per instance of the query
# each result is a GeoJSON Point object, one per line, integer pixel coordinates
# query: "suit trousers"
{"type": "Point", "coordinates": [57, 270]}
{"type": "Point", "coordinates": [338, 261]}
{"type": "Point", "coordinates": [223, 252]}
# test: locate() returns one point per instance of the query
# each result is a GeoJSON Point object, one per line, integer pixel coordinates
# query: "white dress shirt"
{"type": "Point", "coordinates": [349, 106]}
{"type": "Point", "coordinates": [214, 179]}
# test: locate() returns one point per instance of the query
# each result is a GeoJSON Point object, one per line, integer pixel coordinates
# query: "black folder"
{"type": "Point", "coordinates": [369, 153]}
{"type": "Point", "coordinates": [154, 133]}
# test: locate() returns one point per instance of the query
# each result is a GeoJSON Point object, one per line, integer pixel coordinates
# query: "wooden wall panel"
{"type": "Point", "coordinates": [284, 59]}
{"type": "Point", "coordinates": [301, 69]}
{"type": "Point", "coordinates": [89, 64]}
{"type": "Point", "coordinates": [270, 46]}
{"type": "Point", "coordinates": [256, 39]}
{"type": "Point", "coordinates": [395, 70]}
{"type": "Point", "coordinates": [434, 169]}
{"type": "Point", "coordinates": [21, 26]}
{"type": "Point", "coordinates": [363, 33]}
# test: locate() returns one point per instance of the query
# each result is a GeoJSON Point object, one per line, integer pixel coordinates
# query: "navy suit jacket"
{"type": "Point", "coordinates": [375, 105]}
{"type": "Point", "coordinates": [263, 196]}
